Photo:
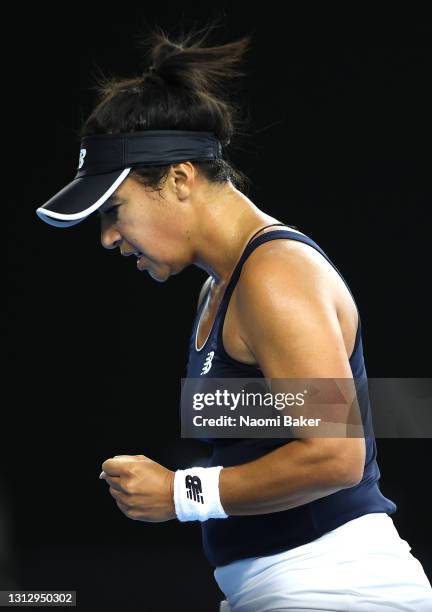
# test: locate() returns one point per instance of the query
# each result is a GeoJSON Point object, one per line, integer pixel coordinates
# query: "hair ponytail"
{"type": "Point", "coordinates": [184, 86]}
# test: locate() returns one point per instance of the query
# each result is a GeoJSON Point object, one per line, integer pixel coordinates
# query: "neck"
{"type": "Point", "coordinates": [225, 224]}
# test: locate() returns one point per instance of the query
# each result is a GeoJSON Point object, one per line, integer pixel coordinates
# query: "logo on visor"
{"type": "Point", "coordinates": [81, 158]}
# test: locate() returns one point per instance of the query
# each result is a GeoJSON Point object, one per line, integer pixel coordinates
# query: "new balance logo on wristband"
{"type": "Point", "coordinates": [194, 488]}
{"type": "Point", "coordinates": [188, 494]}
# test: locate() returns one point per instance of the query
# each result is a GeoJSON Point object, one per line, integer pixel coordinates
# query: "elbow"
{"type": "Point", "coordinates": [351, 477]}
{"type": "Point", "coordinates": [342, 460]}
{"type": "Point", "coordinates": [349, 471]}
{"type": "Point", "coordinates": [351, 459]}
{"type": "Point", "coordinates": [348, 465]}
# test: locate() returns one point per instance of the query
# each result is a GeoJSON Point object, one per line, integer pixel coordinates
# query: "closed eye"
{"type": "Point", "coordinates": [108, 211]}
{"type": "Point", "coordinates": [115, 203]}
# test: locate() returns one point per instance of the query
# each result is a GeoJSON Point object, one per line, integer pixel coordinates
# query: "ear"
{"type": "Point", "coordinates": [183, 177]}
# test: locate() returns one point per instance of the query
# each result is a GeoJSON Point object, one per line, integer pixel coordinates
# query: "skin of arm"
{"type": "Point", "coordinates": [289, 323]}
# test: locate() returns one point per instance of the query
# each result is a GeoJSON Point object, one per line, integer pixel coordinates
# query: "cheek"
{"type": "Point", "coordinates": [154, 238]}
{"type": "Point", "coordinates": [132, 229]}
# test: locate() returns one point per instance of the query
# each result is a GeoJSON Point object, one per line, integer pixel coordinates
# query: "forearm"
{"type": "Point", "coordinates": [291, 475]}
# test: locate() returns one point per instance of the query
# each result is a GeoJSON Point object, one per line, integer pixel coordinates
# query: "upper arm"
{"type": "Point", "coordinates": [289, 323]}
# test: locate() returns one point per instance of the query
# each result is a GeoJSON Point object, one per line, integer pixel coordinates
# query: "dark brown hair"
{"type": "Point", "coordinates": [184, 88]}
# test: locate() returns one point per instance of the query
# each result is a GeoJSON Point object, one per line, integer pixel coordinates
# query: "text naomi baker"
{"type": "Point", "coordinates": [246, 421]}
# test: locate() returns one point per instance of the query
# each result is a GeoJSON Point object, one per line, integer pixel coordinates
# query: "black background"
{"type": "Point", "coordinates": [339, 145]}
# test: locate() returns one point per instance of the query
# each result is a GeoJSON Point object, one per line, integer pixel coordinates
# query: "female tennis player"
{"type": "Point", "coordinates": [287, 524]}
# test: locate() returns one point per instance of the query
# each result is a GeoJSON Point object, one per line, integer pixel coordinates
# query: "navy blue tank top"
{"type": "Point", "coordinates": [239, 537]}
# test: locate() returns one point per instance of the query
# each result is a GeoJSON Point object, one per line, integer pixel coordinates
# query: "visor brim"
{"type": "Point", "coordinates": [80, 198]}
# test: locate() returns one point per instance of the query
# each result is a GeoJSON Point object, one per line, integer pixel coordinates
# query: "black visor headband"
{"type": "Point", "coordinates": [107, 152]}
{"type": "Point", "coordinates": [105, 160]}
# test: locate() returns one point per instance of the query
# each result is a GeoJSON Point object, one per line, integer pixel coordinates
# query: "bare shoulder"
{"type": "Point", "coordinates": [291, 261]}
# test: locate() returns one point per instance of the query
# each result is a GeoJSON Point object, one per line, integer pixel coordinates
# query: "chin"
{"type": "Point", "coordinates": [158, 278]}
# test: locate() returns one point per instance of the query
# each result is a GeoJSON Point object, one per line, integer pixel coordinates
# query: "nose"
{"type": "Point", "coordinates": [109, 237]}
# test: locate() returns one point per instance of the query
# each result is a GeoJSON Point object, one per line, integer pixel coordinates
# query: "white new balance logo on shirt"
{"type": "Point", "coordinates": [207, 363]}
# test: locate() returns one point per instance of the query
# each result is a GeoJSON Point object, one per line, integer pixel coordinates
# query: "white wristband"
{"type": "Point", "coordinates": [196, 494]}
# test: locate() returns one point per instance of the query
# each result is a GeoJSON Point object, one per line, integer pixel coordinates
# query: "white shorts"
{"type": "Point", "coordinates": [361, 566]}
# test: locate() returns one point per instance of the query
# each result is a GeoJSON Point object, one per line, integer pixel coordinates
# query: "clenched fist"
{"type": "Point", "coordinates": [142, 488]}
